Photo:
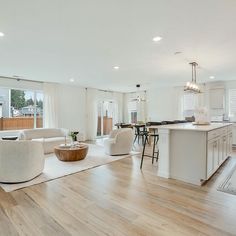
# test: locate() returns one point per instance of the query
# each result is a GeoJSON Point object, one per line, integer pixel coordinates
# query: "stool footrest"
{"type": "Point", "coordinates": [150, 156]}
{"type": "Point", "coordinates": [156, 138]}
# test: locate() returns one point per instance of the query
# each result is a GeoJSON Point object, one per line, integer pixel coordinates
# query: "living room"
{"type": "Point", "coordinates": [117, 118]}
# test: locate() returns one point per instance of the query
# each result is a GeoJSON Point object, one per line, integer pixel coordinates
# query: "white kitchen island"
{"type": "Point", "coordinates": [193, 153]}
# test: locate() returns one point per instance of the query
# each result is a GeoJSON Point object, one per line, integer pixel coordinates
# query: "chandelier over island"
{"type": "Point", "coordinates": [192, 86]}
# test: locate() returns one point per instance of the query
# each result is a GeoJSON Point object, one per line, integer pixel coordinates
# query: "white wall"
{"type": "Point", "coordinates": [164, 103]}
{"type": "Point", "coordinates": [160, 104]}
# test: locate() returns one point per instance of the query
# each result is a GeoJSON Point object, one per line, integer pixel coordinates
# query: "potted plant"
{"type": "Point", "coordinates": [73, 135]}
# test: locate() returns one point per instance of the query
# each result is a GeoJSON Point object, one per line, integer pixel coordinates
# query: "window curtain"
{"type": "Point", "coordinates": [116, 113]}
{"type": "Point", "coordinates": [126, 101]}
{"type": "Point", "coordinates": [50, 105]}
{"type": "Point", "coordinates": [141, 111]}
{"type": "Point", "coordinates": [91, 121]}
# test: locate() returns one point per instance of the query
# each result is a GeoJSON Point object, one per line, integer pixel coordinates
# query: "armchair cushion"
{"type": "Point", "coordinates": [120, 142]}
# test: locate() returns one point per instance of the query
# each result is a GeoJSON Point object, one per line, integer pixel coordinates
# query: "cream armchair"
{"type": "Point", "coordinates": [120, 142]}
{"type": "Point", "coordinates": [20, 161]}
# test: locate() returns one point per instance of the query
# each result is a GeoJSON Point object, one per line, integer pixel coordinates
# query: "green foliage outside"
{"type": "Point", "coordinates": [18, 100]}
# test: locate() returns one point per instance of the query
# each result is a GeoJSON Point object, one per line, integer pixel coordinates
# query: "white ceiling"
{"type": "Point", "coordinates": [54, 40]}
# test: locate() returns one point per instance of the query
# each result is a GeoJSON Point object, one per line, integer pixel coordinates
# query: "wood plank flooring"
{"type": "Point", "coordinates": [119, 199]}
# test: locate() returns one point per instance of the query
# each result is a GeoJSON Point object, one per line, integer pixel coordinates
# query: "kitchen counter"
{"type": "Point", "coordinates": [190, 126]}
{"type": "Point", "coordinates": [193, 153]}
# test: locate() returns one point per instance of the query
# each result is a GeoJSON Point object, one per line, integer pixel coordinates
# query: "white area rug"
{"type": "Point", "coordinates": [55, 169]}
{"type": "Point", "coordinates": [229, 185]}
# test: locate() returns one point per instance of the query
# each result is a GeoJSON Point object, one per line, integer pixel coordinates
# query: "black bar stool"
{"type": "Point", "coordinates": [140, 131]}
{"type": "Point", "coordinates": [154, 151]}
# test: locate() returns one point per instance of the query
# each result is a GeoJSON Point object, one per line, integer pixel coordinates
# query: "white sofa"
{"type": "Point", "coordinates": [20, 161]}
{"type": "Point", "coordinates": [50, 137]}
{"type": "Point", "coordinates": [120, 142]}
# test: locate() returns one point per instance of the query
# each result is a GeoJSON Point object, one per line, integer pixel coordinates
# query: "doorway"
{"type": "Point", "coordinates": [106, 117]}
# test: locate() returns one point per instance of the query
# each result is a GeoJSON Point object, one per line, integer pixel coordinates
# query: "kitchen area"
{"type": "Point", "coordinates": [193, 152]}
{"type": "Point", "coordinates": [221, 103]}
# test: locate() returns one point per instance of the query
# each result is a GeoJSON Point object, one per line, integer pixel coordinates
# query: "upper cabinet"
{"type": "Point", "coordinates": [217, 98]}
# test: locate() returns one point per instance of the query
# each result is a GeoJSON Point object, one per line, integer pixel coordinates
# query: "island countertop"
{"type": "Point", "coordinates": [192, 127]}
{"type": "Point", "coordinates": [193, 153]}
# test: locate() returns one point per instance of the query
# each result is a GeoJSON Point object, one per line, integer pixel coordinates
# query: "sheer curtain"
{"type": "Point", "coordinates": [91, 121]}
{"type": "Point", "coordinates": [141, 111]}
{"type": "Point", "coordinates": [50, 105]}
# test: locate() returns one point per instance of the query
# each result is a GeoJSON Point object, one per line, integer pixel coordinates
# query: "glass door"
{"type": "Point", "coordinates": [106, 117]}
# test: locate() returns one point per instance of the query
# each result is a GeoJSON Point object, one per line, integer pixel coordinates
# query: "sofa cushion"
{"type": "Point", "coordinates": [110, 140]}
{"type": "Point", "coordinates": [29, 134]}
{"type": "Point", "coordinates": [50, 143]}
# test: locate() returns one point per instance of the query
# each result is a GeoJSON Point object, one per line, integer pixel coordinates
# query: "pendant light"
{"type": "Point", "coordinates": [192, 86]}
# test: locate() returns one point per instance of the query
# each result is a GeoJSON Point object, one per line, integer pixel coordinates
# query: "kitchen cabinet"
{"type": "Point", "coordinates": [193, 153]}
{"type": "Point", "coordinates": [224, 148]}
{"type": "Point", "coordinates": [214, 156]}
{"type": "Point", "coordinates": [217, 98]}
{"type": "Point", "coordinates": [234, 134]}
{"type": "Point", "coordinates": [219, 147]}
{"type": "Point", "coordinates": [229, 142]}
{"type": "Point", "coordinates": [211, 156]}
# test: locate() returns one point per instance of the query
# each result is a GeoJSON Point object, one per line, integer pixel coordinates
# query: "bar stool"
{"type": "Point", "coordinates": [154, 151]}
{"type": "Point", "coordinates": [140, 131]}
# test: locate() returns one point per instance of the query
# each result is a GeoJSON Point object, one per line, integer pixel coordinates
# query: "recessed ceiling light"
{"type": "Point", "coordinates": [212, 77]}
{"type": "Point", "coordinates": [116, 67]}
{"type": "Point", "coordinates": [157, 39]}
{"type": "Point", "coordinates": [72, 80]}
{"type": "Point", "coordinates": [1, 34]}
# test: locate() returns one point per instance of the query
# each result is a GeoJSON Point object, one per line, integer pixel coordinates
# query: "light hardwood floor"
{"type": "Point", "coordinates": [119, 199]}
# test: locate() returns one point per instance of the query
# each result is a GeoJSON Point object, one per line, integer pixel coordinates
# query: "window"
{"type": "Point", "coordinates": [132, 110]}
{"type": "Point", "coordinates": [232, 102]}
{"type": "Point", "coordinates": [189, 104]}
{"type": "Point", "coordinates": [20, 109]}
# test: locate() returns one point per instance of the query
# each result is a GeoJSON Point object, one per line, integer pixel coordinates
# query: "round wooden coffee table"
{"type": "Point", "coordinates": [75, 153]}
